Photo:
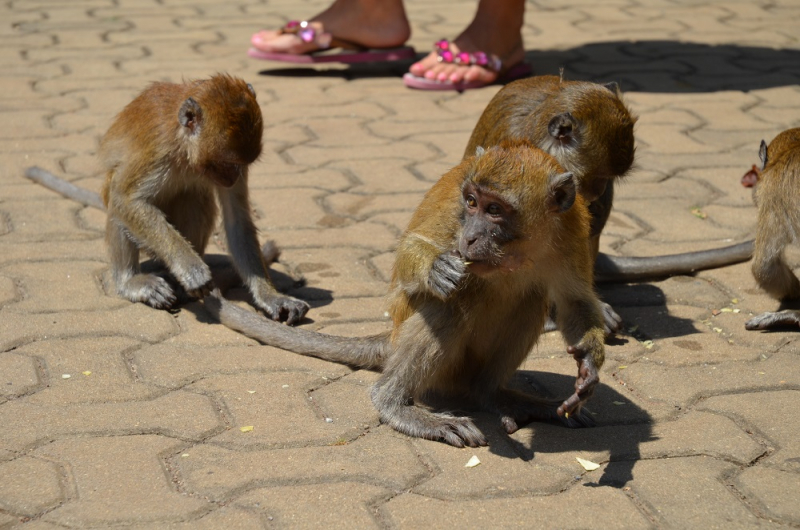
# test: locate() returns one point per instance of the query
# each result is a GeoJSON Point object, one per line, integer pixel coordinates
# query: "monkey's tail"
{"type": "Point", "coordinates": [357, 352]}
{"type": "Point", "coordinates": [610, 269]}
{"type": "Point", "coordinates": [65, 188]}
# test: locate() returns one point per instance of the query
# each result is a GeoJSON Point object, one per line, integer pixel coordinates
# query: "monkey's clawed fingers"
{"type": "Point", "coordinates": [585, 383]}
{"type": "Point", "coordinates": [772, 320]}
{"type": "Point", "coordinates": [447, 271]}
{"type": "Point", "coordinates": [612, 322]}
{"type": "Point", "coordinates": [285, 309]}
{"type": "Point", "coordinates": [460, 432]}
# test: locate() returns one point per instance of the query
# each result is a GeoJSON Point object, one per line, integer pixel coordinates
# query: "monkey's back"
{"type": "Point", "coordinates": [523, 109]}
{"type": "Point", "coordinates": [778, 191]}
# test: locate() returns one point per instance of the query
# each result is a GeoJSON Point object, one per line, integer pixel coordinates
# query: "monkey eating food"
{"type": "Point", "coordinates": [493, 242]}
{"type": "Point", "coordinates": [588, 128]}
{"type": "Point", "coordinates": [777, 195]}
{"type": "Point", "coordinates": [170, 156]}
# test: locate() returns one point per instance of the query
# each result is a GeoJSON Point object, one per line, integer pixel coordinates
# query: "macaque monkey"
{"type": "Point", "coordinates": [493, 242]}
{"type": "Point", "coordinates": [777, 196]}
{"type": "Point", "coordinates": [588, 128]}
{"type": "Point", "coordinates": [170, 156]}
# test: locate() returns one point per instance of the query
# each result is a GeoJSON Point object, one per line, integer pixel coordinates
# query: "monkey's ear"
{"type": "Point", "coordinates": [252, 90]}
{"type": "Point", "coordinates": [562, 126]}
{"type": "Point", "coordinates": [190, 114]}
{"type": "Point", "coordinates": [561, 191]}
{"type": "Point", "coordinates": [479, 151]}
{"type": "Point", "coordinates": [613, 86]}
{"type": "Point", "coordinates": [762, 154]}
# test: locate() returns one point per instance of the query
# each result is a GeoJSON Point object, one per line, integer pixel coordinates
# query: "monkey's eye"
{"type": "Point", "coordinates": [471, 201]}
{"type": "Point", "coordinates": [494, 209]}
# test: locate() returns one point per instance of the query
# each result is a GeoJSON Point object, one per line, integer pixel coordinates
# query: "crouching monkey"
{"type": "Point", "coordinates": [493, 241]}
{"type": "Point", "coordinates": [170, 156]}
{"type": "Point", "coordinates": [777, 196]}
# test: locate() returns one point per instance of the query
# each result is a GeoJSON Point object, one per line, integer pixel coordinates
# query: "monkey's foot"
{"type": "Point", "coordinates": [612, 322]}
{"type": "Point", "coordinates": [283, 308]}
{"type": "Point", "coordinates": [517, 409]}
{"type": "Point", "coordinates": [150, 289]}
{"type": "Point", "coordinates": [306, 42]}
{"type": "Point", "coordinates": [448, 67]}
{"type": "Point", "coordinates": [455, 430]}
{"type": "Point", "coordinates": [774, 320]}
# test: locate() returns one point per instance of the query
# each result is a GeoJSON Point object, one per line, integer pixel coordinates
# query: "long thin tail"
{"type": "Point", "coordinates": [610, 269]}
{"type": "Point", "coordinates": [358, 352]}
{"type": "Point", "coordinates": [65, 188]}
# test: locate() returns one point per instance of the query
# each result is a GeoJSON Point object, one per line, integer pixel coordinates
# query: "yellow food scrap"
{"type": "Point", "coordinates": [246, 428]}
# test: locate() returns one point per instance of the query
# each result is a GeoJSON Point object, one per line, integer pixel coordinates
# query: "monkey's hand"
{"type": "Point", "coordinates": [196, 279]}
{"type": "Point", "coordinates": [773, 320]}
{"type": "Point", "coordinates": [283, 308]}
{"type": "Point", "coordinates": [585, 383]}
{"type": "Point", "coordinates": [446, 274]}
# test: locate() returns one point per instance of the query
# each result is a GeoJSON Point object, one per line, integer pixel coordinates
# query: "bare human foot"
{"type": "Point", "coordinates": [496, 29]}
{"type": "Point", "coordinates": [368, 23]}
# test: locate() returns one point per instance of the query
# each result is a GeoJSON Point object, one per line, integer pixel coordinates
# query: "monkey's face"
{"type": "Point", "coordinates": [230, 127]}
{"type": "Point", "coordinates": [488, 224]}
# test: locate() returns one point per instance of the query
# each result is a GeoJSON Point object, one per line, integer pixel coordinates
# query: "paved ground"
{"type": "Point", "coordinates": [116, 414]}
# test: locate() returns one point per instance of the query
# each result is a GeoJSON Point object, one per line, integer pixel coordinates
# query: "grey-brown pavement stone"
{"type": "Point", "coordinates": [118, 415]}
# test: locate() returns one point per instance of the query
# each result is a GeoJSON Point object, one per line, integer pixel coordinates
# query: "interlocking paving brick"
{"type": "Point", "coordinates": [340, 505]}
{"type": "Point", "coordinates": [72, 285]}
{"type": "Point", "coordinates": [753, 410]}
{"type": "Point", "coordinates": [578, 507]}
{"type": "Point", "coordinates": [97, 368]}
{"type": "Point", "coordinates": [772, 492]}
{"type": "Point", "coordinates": [182, 415]}
{"type": "Point", "coordinates": [30, 486]}
{"type": "Point", "coordinates": [136, 321]}
{"type": "Point", "coordinates": [106, 473]}
{"type": "Point", "coordinates": [381, 458]}
{"type": "Point", "coordinates": [689, 492]}
{"type": "Point", "coordinates": [282, 410]}
{"type": "Point", "coordinates": [20, 374]}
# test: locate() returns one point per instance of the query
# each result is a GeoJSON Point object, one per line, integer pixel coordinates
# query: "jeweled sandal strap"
{"type": "Point", "coordinates": [486, 60]}
{"type": "Point", "coordinates": [308, 33]}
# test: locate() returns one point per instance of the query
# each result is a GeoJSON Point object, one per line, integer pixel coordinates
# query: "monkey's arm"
{"type": "Point", "coordinates": [148, 226]}
{"type": "Point", "coordinates": [426, 259]}
{"type": "Point", "coordinates": [65, 188]}
{"type": "Point", "coordinates": [581, 321]}
{"type": "Point", "coordinates": [242, 239]}
{"type": "Point", "coordinates": [610, 269]}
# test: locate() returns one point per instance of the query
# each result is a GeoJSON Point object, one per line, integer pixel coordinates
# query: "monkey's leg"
{"type": "Point", "coordinates": [129, 281]}
{"type": "Point", "coordinates": [773, 274]}
{"type": "Point", "coordinates": [416, 355]}
{"type": "Point", "coordinates": [774, 320]}
{"type": "Point", "coordinates": [243, 243]}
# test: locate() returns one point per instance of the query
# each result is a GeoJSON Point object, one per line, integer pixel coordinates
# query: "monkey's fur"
{"type": "Point", "coordinates": [588, 128]}
{"type": "Point", "coordinates": [777, 196]}
{"type": "Point", "coordinates": [170, 156]}
{"type": "Point", "coordinates": [494, 240]}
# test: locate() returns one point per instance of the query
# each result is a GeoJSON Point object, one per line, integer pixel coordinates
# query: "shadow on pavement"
{"type": "Point", "coordinates": [621, 427]}
{"type": "Point", "coordinates": [665, 66]}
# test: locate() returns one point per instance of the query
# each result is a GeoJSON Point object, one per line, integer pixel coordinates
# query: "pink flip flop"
{"type": "Point", "coordinates": [485, 60]}
{"type": "Point", "coordinates": [326, 45]}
